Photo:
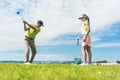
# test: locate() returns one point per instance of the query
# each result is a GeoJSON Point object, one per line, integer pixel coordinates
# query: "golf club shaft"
{"type": "Point", "coordinates": [20, 15]}
{"type": "Point", "coordinates": [21, 18]}
{"type": "Point", "coordinates": [77, 42]}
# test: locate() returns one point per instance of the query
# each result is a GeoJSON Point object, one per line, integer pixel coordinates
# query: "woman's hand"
{"type": "Point", "coordinates": [84, 40]}
{"type": "Point", "coordinates": [79, 37]}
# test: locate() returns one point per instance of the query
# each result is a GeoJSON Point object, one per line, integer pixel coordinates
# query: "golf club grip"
{"type": "Point", "coordinates": [77, 42]}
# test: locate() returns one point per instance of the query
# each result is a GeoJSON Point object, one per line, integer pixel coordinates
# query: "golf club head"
{"type": "Point", "coordinates": [20, 13]}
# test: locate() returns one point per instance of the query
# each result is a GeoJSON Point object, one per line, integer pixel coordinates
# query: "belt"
{"type": "Point", "coordinates": [29, 38]}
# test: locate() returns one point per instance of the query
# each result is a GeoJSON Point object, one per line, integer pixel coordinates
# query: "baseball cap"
{"type": "Point", "coordinates": [41, 22]}
{"type": "Point", "coordinates": [83, 16]}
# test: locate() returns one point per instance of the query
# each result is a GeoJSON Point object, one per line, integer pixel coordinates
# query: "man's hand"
{"type": "Point", "coordinates": [24, 22]}
{"type": "Point", "coordinates": [25, 28]}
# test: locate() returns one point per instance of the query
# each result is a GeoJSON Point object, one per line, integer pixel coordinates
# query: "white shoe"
{"type": "Point", "coordinates": [83, 64]}
{"type": "Point", "coordinates": [89, 64]}
{"type": "Point", "coordinates": [27, 63]}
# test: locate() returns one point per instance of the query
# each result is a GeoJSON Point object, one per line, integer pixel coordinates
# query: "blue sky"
{"type": "Point", "coordinates": [57, 40]}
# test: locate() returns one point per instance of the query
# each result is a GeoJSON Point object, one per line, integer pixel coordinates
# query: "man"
{"type": "Point", "coordinates": [31, 32]}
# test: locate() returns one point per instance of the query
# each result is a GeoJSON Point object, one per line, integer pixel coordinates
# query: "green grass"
{"type": "Point", "coordinates": [12, 71]}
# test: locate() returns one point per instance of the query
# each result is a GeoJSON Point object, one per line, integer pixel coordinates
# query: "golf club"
{"type": "Point", "coordinates": [78, 38]}
{"type": "Point", "coordinates": [19, 13]}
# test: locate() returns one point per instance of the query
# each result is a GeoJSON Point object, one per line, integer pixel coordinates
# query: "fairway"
{"type": "Point", "coordinates": [16, 71]}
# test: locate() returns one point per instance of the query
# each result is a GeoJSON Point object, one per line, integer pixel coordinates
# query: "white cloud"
{"type": "Point", "coordinates": [11, 57]}
{"type": "Point", "coordinates": [103, 45]}
{"type": "Point", "coordinates": [59, 16]}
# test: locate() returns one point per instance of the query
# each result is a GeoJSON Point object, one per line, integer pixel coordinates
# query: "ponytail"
{"type": "Point", "coordinates": [85, 16]}
{"type": "Point", "coordinates": [88, 20]}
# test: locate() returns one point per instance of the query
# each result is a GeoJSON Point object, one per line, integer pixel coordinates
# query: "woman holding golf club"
{"type": "Point", "coordinates": [86, 47]}
{"type": "Point", "coordinates": [31, 32]}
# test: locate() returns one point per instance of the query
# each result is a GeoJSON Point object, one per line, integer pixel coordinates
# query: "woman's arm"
{"type": "Point", "coordinates": [80, 37]}
{"type": "Point", "coordinates": [88, 30]}
{"type": "Point", "coordinates": [88, 27]}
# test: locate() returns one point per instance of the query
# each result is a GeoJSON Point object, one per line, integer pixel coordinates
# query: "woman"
{"type": "Point", "coordinates": [86, 47]}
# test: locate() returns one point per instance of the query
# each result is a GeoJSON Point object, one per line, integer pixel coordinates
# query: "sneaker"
{"type": "Point", "coordinates": [27, 63]}
{"type": "Point", "coordinates": [83, 64]}
{"type": "Point", "coordinates": [89, 64]}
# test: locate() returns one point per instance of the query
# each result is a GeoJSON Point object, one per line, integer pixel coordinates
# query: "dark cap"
{"type": "Point", "coordinates": [41, 22]}
{"type": "Point", "coordinates": [83, 16]}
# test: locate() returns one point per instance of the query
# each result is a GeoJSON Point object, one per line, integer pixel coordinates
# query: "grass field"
{"type": "Point", "coordinates": [15, 71]}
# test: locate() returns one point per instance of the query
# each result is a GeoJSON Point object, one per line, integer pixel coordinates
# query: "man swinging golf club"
{"type": "Point", "coordinates": [31, 32]}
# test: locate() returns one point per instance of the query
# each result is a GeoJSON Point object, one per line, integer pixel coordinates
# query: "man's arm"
{"type": "Point", "coordinates": [25, 28]}
{"type": "Point", "coordinates": [28, 25]}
